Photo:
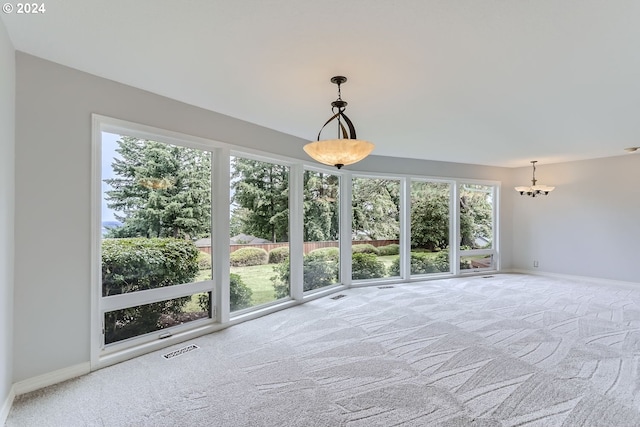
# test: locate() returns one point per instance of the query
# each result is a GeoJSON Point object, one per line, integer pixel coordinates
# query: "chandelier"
{"type": "Point", "coordinates": [534, 189]}
{"type": "Point", "coordinates": [346, 149]}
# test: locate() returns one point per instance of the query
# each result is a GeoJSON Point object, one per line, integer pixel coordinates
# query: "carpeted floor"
{"type": "Point", "coordinates": [511, 350]}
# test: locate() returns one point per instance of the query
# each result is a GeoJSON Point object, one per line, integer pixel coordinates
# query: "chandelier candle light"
{"type": "Point", "coordinates": [344, 150]}
{"type": "Point", "coordinates": [534, 189]}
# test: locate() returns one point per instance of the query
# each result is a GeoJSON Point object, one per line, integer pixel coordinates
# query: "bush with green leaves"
{"type": "Point", "coordinates": [365, 248]}
{"type": "Point", "coordinates": [332, 254]}
{"type": "Point", "coordinates": [391, 249]}
{"type": "Point", "coordinates": [277, 255]}
{"type": "Point", "coordinates": [366, 266]}
{"type": "Point", "coordinates": [245, 257]}
{"type": "Point", "coordinates": [320, 269]}
{"type": "Point", "coordinates": [239, 293]}
{"type": "Point", "coordinates": [423, 263]}
{"type": "Point", "coordinates": [136, 264]}
{"type": "Point", "coordinates": [204, 261]}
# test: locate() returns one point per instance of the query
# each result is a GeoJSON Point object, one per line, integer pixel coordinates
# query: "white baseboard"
{"type": "Point", "coordinates": [6, 406]}
{"type": "Point", "coordinates": [593, 280]}
{"type": "Point", "coordinates": [51, 378]}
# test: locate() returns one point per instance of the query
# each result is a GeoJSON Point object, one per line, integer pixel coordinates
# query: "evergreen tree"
{"type": "Point", "coordinates": [376, 211]}
{"type": "Point", "coordinates": [261, 191]}
{"type": "Point", "coordinates": [160, 190]}
{"type": "Point", "coordinates": [321, 215]}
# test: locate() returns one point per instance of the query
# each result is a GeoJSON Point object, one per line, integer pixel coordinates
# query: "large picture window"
{"type": "Point", "coordinates": [259, 227]}
{"type": "Point", "coordinates": [375, 228]}
{"type": "Point", "coordinates": [430, 227]}
{"type": "Point", "coordinates": [477, 227]}
{"type": "Point", "coordinates": [321, 230]}
{"type": "Point", "coordinates": [156, 204]}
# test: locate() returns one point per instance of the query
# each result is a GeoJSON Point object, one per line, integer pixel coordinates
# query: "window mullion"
{"type": "Point", "coordinates": [346, 215]}
{"type": "Point", "coordinates": [296, 243]}
{"type": "Point", "coordinates": [220, 176]}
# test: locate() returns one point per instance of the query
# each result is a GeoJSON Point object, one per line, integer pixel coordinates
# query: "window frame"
{"type": "Point", "coordinates": [220, 175]}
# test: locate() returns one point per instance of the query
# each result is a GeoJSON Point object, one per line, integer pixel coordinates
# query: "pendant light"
{"type": "Point", "coordinates": [534, 189]}
{"type": "Point", "coordinates": [346, 149]}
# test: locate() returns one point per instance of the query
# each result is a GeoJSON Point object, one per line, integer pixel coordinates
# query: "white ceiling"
{"type": "Point", "coordinates": [494, 82]}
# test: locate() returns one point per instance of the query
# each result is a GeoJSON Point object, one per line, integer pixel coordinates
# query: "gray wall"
{"type": "Point", "coordinates": [7, 163]}
{"type": "Point", "coordinates": [589, 226]}
{"type": "Point", "coordinates": [53, 176]}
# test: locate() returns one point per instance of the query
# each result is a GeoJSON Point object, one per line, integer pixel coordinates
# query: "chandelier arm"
{"type": "Point", "coordinates": [327, 122]}
{"type": "Point", "coordinates": [344, 130]}
{"type": "Point", "coordinates": [345, 135]}
{"type": "Point", "coordinates": [352, 129]}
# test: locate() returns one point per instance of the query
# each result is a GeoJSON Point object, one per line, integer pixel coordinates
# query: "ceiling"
{"type": "Point", "coordinates": [494, 82]}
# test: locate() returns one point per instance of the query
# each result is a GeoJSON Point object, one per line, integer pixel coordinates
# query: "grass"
{"type": "Point", "coordinates": [258, 279]}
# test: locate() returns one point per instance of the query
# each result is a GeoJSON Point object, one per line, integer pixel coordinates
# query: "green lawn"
{"type": "Point", "coordinates": [258, 278]}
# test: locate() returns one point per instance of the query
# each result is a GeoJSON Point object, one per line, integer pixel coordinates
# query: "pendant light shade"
{"type": "Point", "coordinates": [346, 149]}
{"type": "Point", "coordinates": [534, 189]}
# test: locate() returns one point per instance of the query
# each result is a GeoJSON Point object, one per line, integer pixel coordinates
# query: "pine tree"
{"type": "Point", "coordinates": [261, 191]}
{"type": "Point", "coordinates": [160, 190]}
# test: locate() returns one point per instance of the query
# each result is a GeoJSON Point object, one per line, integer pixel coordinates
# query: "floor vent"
{"type": "Point", "coordinates": [385, 287]}
{"type": "Point", "coordinates": [487, 277]}
{"type": "Point", "coordinates": [180, 351]}
{"type": "Point", "coordinates": [338, 296]}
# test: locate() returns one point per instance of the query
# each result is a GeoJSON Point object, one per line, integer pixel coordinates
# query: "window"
{"type": "Point", "coordinates": [259, 227]}
{"type": "Point", "coordinates": [477, 227]}
{"type": "Point", "coordinates": [375, 228]}
{"type": "Point", "coordinates": [321, 213]}
{"type": "Point", "coordinates": [430, 227]}
{"type": "Point", "coordinates": [156, 210]}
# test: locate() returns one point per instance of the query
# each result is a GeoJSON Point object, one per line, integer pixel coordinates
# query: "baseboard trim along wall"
{"type": "Point", "coordinates": [6, 406]}
{"type": "Point", "coordinates": [51, 378]}
{"type": "Point", "coordinates": [593, 280]}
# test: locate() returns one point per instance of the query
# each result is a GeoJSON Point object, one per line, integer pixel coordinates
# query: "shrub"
{"type": "Point", "coordinates": [366, 266]}
{"type": "Point", "coordinates": [423, 263]}
{"type": "Point", "coordinates": [136, 264]}
{"type": "Point", "coordinates": [332, 254]}
{"type": "Point", "coordinates": [319, 270]}
{"type": "Point", "coordinates": [244, 257]}
{"type": "Point", "coordinates": [365, 248]}
{"type": "Point", "coordinates": [240, 294]}
{"type": "Point", "coordinates": [278, 255]}
{"type": "Point", "coordinates": [392, 249]}
{"type": "Point", "coordinates": [204, 261]}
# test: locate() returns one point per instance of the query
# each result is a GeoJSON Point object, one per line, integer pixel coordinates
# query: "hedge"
{"type": "Point", "coordinates": [278, 255]}
{"type": "Point", "coordinates": [365, 248]}
{"type": "Point", "coordinates": [248, 256]}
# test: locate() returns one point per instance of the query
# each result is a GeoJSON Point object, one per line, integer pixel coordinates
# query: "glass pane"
{"type": "Point", "coordinates": [259, 232]}
{"type": "Point", "coordinates": [477, 262]}
{"type": "Point", "coordinates": [156, 212]}
{"type": "Point", "coordinates": [476, 216]}
{"type": "Point", "coordinates": [375, 228]}
{"type": "Point", "coordinates": [430, 209]}
{"type": "Point", "coordinates": [133, 321]}
{"type": "Point", "coordinates": [321, 230]}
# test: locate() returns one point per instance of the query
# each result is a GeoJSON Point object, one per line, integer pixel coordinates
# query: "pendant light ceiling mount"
{"type": "Point", "coordinates": [346, 149]}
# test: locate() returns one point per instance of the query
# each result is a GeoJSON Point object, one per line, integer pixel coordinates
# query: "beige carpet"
{"type": "Point", "coordinates": [511, 350]}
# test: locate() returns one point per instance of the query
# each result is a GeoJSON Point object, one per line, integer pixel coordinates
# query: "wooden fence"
{"type": "Point", "coordinates": [308, 246]}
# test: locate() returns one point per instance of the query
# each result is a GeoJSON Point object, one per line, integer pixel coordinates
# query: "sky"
{"type": "Point", "coordinates": [109, 145]}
